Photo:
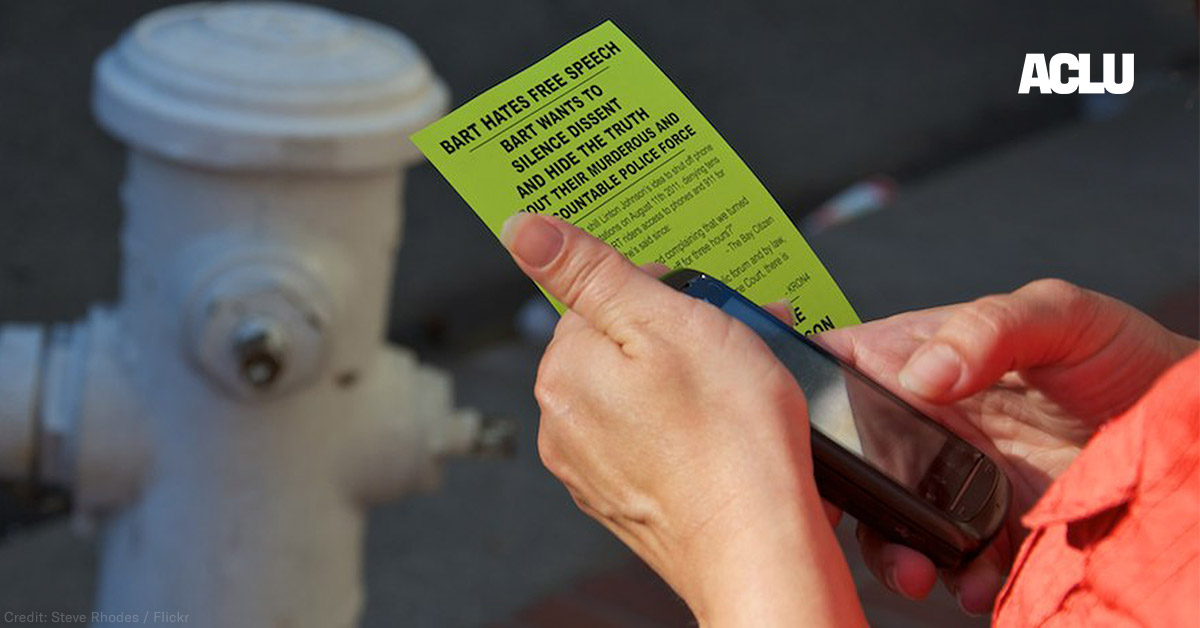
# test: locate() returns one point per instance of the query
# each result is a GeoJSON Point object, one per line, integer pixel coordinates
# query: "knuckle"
{"type": "Point", "coordinates": [990, 316]}
{"type": "Point", "coordinates": [595, 275]}
{"type": "Point", "coordinates": [581, 503]}
{"type": "Point", "coordinates": [550, 386]}
{"type": "Point", "coordinates": [599, 511]}
{"type": "Point", "coordinates": [546, 389]}
{"type": "Point", "coordinates": [546, 393]}
{"type": "Point", "coordinates": [1061, 296]}
{"type": "Point", "coordinates": [548, 452]}
{"type": "Point", "coordinates": [1050, 287]}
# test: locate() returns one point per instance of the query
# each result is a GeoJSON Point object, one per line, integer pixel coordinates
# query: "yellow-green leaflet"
{"type": "Point", "coordinates": [597, 135]}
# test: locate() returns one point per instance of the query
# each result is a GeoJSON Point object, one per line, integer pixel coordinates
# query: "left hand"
{"type": "Point", "coordinates": [673, 425]}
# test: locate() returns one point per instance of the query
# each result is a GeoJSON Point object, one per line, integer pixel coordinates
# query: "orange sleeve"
{"type": "Point", "coordinates": [1115, 541]}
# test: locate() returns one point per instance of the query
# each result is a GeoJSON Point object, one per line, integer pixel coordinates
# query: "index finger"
{"type": "Point", "coordinates": [586, 275]}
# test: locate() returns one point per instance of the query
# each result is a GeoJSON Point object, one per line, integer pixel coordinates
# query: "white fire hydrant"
{"type": "Point", "coordinates": [228, 422]}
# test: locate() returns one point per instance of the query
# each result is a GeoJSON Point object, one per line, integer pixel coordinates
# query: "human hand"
{"type": "Point", "coordinates": [1027, 377]}
{"type": "Point", "coordinates": [673, 425]}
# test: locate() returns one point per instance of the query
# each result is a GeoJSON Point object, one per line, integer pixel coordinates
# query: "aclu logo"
{"type": "Point", "coordinates": [1053, 76]}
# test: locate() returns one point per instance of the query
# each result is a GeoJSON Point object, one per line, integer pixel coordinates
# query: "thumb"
{"type": "Point", "coordinates": [587, 275]}
{"type": "Point", "coordinates": [1045, 322]}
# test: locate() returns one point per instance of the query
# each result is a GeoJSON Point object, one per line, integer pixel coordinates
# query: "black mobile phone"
{"type": "Point", "coordinates": [875, 456]}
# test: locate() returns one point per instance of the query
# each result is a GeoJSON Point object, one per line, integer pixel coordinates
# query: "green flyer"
{"type": "Point", "coordinates": [597, 135]}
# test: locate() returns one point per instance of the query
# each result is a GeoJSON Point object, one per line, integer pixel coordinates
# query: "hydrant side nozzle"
{"type": "Point", "coordinates": [111, 454]}
{"type": "Point", "coordinates": [92, 437]}
{"type": "Point", "coordinates": [468, 432]}
{"type": "Point", "coordinates": [257, 326]}
{"type": "Point", "coordinates": [496, 438]}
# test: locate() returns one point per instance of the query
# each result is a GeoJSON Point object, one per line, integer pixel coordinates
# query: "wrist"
{"type": "Point", "coordinates": [772, 564]}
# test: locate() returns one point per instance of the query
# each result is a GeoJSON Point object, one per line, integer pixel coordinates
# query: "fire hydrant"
{"type": "Point", "coordinates": [227, 423]}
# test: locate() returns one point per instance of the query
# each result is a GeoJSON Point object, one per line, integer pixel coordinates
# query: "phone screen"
{"type": "Point", "coordinates": [851, 411]}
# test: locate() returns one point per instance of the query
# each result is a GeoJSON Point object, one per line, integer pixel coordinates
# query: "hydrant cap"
{"type": "Point", "coordinates": [267, 85]}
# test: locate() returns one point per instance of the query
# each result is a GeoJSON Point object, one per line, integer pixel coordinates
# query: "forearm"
{"type": "Point", "coordinates": [782, 568]}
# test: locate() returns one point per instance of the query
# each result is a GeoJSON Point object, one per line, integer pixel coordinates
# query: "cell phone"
{"type": "Point", "coordinates": [875, 456]}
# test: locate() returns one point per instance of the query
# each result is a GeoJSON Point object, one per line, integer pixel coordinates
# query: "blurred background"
{"type": "Point", "coordinates": [972, 188]}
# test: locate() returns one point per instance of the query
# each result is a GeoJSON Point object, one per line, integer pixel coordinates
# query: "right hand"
{"type": "Point", "coordinates": [1027, 377]}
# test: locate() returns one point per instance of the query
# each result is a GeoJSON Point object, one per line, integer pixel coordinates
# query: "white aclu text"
{"type": "Point", "coordinates": [1052, 77]}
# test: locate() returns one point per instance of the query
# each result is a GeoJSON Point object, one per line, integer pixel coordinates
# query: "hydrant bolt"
{"type": "Point", "coordinates": [260, 349]}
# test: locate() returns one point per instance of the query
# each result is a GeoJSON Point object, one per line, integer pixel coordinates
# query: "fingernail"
{"type": "Point", "coordinates": [932, 370]}
{"type": "Point", "coordinates": [972, 612]}
{"type": "Point", "coordinates": [531, 238]}
{"type": "Point", "coordinates": [893, 582]}
{"type": "Point", "coordinates": [889, 575]}
{"type": "Point", "coordinates": [791, 310]}
{"type": "Point", "coordinates": [978, 596]}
